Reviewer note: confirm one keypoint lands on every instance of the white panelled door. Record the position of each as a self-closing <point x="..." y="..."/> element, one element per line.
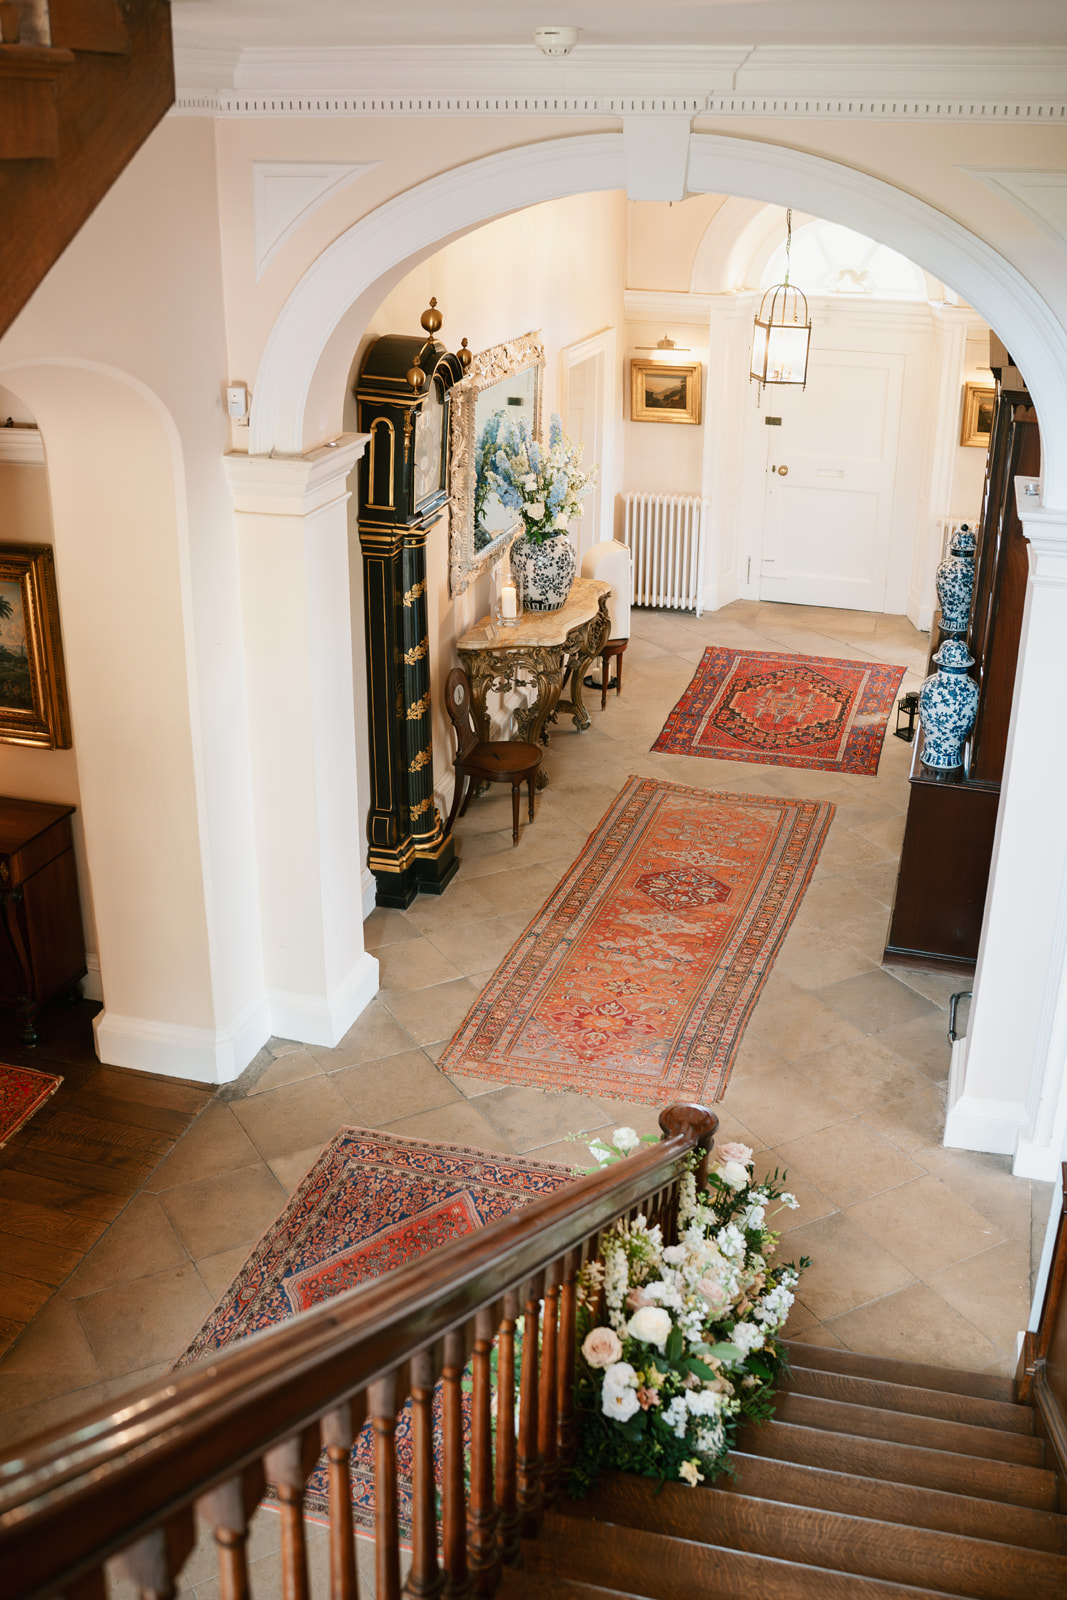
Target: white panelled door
<point x="830" y="469"/>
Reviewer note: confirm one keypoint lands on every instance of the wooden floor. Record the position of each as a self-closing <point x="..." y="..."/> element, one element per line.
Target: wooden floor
<point x="79" y="1159"/>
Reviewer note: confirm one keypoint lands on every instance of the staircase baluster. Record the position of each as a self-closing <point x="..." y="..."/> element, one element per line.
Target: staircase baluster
<point x="288" y="1467"/>
<point x="547" y="1393"/>
<point x="339" y="1429"/>
<point x="226" y="1509"/>
<point x="153" y="1563"/>
<point x="453" y="1499"/>
<point x="424" y="1579"/>
<point x="382" y="1406"/>
<point x="482" y="1512"/>
<point x="528" y="1459"/>
<point x="506" y="1473"/>
<point x="568" y="1310"/>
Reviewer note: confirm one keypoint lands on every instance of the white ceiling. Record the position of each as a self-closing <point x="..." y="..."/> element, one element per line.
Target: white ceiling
<point x="607" y="23"/>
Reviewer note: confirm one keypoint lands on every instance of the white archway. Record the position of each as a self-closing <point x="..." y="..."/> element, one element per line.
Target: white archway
<point x="455" y="201"/>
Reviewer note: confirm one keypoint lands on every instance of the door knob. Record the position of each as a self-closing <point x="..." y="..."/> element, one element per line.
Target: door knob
<point x="783" y="472"/>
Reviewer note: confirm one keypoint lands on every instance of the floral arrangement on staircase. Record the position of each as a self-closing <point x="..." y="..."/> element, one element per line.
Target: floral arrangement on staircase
<point x="677" y="1345"/>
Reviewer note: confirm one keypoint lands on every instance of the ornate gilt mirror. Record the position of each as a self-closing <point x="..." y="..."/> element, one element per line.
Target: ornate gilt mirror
<point x="504" y="382"/>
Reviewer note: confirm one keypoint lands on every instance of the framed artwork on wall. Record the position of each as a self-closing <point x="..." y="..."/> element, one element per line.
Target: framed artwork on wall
<point x="33" y="685"/>
<point x="977" y="422"/>
<point x="664" y="393"/>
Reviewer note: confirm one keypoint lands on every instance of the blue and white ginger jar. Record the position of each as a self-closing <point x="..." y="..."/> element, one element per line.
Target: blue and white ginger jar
<point x="948" y="702"/>
<point x="955" y="582"/>
<point x="546" y="570"/>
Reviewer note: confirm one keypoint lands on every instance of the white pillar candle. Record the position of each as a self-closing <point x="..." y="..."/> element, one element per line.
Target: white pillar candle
<point x="509" y="602"/>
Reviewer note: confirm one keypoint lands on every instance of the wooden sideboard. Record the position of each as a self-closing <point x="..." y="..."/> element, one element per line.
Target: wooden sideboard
<point x="948" y="839"/>
<point x="42" y="946"/>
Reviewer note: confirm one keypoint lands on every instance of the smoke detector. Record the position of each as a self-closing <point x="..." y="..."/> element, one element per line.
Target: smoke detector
<point x="555" y="41"/>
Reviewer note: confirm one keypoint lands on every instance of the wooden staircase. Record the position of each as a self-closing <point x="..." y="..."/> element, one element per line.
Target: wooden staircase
<point x="876" y="1479"/>
<point x="73" y="112"/>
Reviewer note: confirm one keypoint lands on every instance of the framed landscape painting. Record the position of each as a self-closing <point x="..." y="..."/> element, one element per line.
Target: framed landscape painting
<point x="662" y="393"/>
<point x="33" y="689"/>
<point x="977" y="422"/>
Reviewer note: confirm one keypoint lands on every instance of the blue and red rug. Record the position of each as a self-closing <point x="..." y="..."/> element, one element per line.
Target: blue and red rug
<point x="22" y="1092"/>
<point x="371" y="1202"/>
<point x="784" y="711"/>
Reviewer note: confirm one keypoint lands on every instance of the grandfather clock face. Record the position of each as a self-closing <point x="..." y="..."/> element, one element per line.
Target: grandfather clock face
<point x="429" y="446"/>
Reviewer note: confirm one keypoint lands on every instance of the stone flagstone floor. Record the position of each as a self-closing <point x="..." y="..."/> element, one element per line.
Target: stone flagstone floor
<point x="918" y="1251"/>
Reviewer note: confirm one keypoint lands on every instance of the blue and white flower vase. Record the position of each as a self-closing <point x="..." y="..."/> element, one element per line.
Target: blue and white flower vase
<point x="948" y="703"/>
<point x="955" y="582"/>
<point x="546" y="571"/>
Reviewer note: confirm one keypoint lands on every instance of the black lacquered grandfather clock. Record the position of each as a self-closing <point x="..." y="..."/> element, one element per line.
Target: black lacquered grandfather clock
<point x="403" y="392"/>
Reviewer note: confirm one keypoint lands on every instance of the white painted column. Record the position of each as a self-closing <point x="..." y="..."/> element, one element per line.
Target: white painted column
<point x="293" y="551"/>
<point x="1007" y="1086"/>
<point x="726" y="419"/>
<point x="950" y="334"/>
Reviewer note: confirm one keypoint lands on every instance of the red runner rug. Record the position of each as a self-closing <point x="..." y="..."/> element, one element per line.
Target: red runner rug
<point x="637" y="977"/>
<point x="371" y="1202"/>
<point x="22" y="1092"/>
<point x="784" y="711"/>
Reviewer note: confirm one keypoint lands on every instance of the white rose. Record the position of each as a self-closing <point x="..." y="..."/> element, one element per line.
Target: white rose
<point x="536" y="508"/>
<point x="620" y="1375"/>
<point x="619" y="1403"/>
<point x="734" y="1174"/>
<point x="624" y="1139"/>
<point x="747" y="1336"/>
<point x="651" y="1325"/>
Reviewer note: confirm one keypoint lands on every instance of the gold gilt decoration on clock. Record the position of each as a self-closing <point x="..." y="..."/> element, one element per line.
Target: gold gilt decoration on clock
<point x="415" y="593"/>
<point x="420" y="708"/>
<point x="416" y="652"/>
<point x="421" y="760"/>
<point x="420" y="810"/>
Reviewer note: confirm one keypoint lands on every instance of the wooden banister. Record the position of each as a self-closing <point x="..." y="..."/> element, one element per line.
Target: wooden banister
<point x="124" y="1480"/>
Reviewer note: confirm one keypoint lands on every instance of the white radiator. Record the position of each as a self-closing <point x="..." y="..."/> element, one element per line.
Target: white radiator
<point x="947" y="526"/>
<point x="667" y="535"/>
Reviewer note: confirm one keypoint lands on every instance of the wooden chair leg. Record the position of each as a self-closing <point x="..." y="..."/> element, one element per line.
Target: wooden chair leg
<point x="531" y="780"/>
<point x="515" y="812"/>
<point x="618" y="672"/>
<point x="471" y="790"/>
<point x="603" y="680"/>
<point x="457" y="796"/>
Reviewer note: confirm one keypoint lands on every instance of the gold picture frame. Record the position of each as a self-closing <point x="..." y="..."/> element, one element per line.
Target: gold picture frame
<point x="663" y="392"/>
<point x="976" y="424"/>
<point x="33" y="684"/>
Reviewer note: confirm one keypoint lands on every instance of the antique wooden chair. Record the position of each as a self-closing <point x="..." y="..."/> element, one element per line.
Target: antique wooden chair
<point x="486" y="760"/>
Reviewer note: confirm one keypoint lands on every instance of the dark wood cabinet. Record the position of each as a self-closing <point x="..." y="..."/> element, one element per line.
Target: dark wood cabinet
<point x="948" y="840"/>
<point x="42" y="947"/>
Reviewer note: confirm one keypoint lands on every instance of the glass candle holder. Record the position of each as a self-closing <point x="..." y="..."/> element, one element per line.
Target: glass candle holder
<point x="507" y="595"/>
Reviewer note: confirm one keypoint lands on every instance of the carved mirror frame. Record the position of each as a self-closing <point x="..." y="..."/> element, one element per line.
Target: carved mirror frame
<point x="489" y="367"/>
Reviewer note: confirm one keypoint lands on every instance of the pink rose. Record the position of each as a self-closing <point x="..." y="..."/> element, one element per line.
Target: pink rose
<point x="602" y="1347"/>
<point x="646" y="1398"/>
<point x="734" y="1152"/>
<point x="713" y="1293"/>
<point x="638" y="1298"/>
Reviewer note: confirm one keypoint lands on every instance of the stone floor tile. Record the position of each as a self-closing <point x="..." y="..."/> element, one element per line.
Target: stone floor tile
<point x="862" y="1074"/>
<point x="289" y="1170"/>
<point x="51" y="1357"/>
<point x="781" y="1105"/>
<point x="812" y="1203"/>
<point x="375" y="1034"/>
<point x="219" y="1271"/>
<point x="139" y="1241"/>
<point x="925" y="1225"/>
<point x="528" y="1118"/>
<point x="848" y="1162"/>
<point x="923" y="1043"/>
<point x="215" y="1142"/>
<point x="458" y="1123"/>
<point x="991" y="1290"/>
<point x="802" y="1024"/>
<point x="813" y="958"/>
<point x="293" y="1116"/>
<point x="847" y="1267"/>
<point x="152" y="1319"/>
<point x="227" y="1210"/>
<point x="988" y="1185"/>
<point x="476" y="946"/>
<point x="818" y="1335"/>
<point x="524" y="889"/>
<point x="915" y="1123"/>
<point x="415" y="964"/>
<point x="385" y="926"/>
<point x="397" y="1087"/>
<point x="291" y="1066"/>
<point x="916" y="1324"/>
<point x="874" y="1001"/>
<point x="427" y="1015"/>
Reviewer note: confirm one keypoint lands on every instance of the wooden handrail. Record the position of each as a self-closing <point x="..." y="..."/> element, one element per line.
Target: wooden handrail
<point x="126" y="1478"/>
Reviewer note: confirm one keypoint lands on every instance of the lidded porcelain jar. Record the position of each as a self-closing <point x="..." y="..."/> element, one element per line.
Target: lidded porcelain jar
<point x="948" y="703"/>
<point x="955" y="582"/>
<point x="546" y="571"/>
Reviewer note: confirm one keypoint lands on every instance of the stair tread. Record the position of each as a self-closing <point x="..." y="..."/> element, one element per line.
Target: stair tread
<point x="1006" y="1415"/>
<point x="911" y="1504"/>
<point x="904" y="1463"/>
<point x="936" y="1433"/>
<point x="917" y="1374"/>
<point x="518" y="1582"/>
<point x="663" y="1568"/>
<point x="861" y="1545"/>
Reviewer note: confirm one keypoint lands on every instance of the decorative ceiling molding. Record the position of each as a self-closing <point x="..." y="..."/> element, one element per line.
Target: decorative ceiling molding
<point x="1041" y="193"/>
<point x="976" y="84"/>
<point x="285" y="193"/>
<point x="678" y="306"/>
<point x="21" y="446"/>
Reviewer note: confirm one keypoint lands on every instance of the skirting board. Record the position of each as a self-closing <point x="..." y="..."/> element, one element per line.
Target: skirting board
<point x="172" y="1051"/>
<point x="325" y="1021"/>
<point x="975" y="1123"/>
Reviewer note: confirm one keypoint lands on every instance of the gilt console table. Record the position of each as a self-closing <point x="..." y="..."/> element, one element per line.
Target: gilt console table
<point x="546" y="651"/>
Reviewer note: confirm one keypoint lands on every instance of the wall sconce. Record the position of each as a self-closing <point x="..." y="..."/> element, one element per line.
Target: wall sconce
<point x="907" y="708"/>
<point x="666" y="346"/>
<point x="430" y="322"/>
<point x="782" y="330"/>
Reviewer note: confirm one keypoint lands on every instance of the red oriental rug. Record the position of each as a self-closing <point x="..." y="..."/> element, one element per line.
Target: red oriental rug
<point x="784" y="711"/>
<point x="371" y="1202"/>
<point x="636" y="978"/>
<point x="22" y="1092"/>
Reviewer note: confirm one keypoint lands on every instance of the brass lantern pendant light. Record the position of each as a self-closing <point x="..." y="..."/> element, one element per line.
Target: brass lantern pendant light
<point x="783" y="330"/>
